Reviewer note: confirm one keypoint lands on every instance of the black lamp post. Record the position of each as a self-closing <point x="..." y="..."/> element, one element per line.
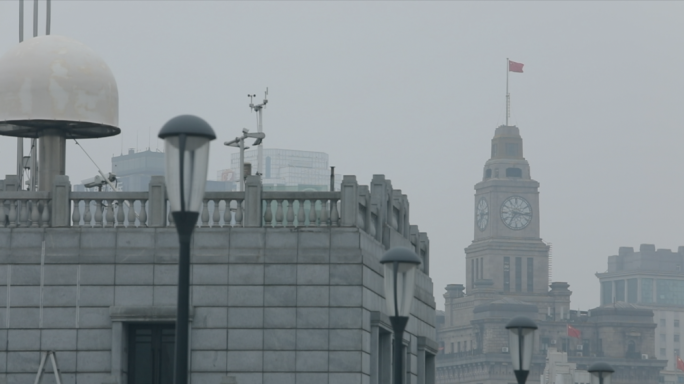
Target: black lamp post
<point x="400" y="276"/>
<point x="600" y="373"/>
<point x="520" y="344"/>
<point x="186" y="140"/>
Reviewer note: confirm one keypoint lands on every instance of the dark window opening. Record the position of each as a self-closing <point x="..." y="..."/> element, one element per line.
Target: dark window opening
<point x="472" y="273"/>
<point x="620" y="290"/>
<point x="632" y="289"/>
<point x="507" y="274"/>
<point x="606" y="292"/>
<point x="488" y="174"/>
<point x="530" y="274"/>
<point x="631" y="346"/>
<point x="477" y="269"/>
<point x="513" y="172"/>
<point x="151" y="353"/>
<point x="518" y="274"/>
<point x="481" y="267"/>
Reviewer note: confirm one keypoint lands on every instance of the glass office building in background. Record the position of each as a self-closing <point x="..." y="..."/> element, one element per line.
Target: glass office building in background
<point x="286" y="169"/>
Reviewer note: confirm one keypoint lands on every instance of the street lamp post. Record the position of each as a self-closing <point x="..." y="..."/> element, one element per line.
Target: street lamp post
<point x="521" y="343"/>
<point x="186" y="140"/>
<point x="600" y="373"/>
<point x="400" y="271"/>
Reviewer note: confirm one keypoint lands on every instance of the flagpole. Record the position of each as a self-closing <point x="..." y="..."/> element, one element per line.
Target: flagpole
<point x="508" y="96"/>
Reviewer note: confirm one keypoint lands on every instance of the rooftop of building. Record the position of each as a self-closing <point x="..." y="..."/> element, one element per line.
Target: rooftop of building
<point x="647" y="259"/>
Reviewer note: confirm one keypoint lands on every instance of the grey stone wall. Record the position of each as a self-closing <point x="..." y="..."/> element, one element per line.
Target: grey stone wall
<point x="269" y="305"/>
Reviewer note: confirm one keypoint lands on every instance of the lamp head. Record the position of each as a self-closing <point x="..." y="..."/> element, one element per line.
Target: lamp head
<point x="521" y="344"/>
<point x="186" y="139"/>
<point x="400" y="271"/>
<point x="600" y="373"/>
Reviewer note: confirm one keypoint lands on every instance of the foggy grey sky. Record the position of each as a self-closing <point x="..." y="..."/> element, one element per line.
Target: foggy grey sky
<point x="414" y="90"/>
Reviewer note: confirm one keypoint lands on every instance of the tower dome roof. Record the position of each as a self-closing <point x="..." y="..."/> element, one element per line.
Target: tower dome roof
<point x="54" y="82"/>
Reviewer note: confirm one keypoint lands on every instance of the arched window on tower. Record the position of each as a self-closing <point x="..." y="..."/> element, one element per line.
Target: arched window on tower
<point x="488" y="173"/>
<point x="513" y="172"/>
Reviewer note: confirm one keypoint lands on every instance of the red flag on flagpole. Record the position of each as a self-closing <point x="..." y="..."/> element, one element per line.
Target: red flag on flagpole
<point x="680" y="364"/>
<point x="574" y="332"/>
<point x="515" y="67"/>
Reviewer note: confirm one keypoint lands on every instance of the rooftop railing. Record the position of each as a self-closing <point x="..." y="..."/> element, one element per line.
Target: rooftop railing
<point x="379" y="210"/>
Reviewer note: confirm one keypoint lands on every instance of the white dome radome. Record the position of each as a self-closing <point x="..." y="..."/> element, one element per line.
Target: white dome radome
<point x="54" y="82"/>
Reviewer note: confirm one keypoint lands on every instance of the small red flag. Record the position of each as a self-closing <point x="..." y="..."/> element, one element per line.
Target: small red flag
<point x="515" y="67"/>
<point x="574" y="332"/>
<point x="680" y="364"/>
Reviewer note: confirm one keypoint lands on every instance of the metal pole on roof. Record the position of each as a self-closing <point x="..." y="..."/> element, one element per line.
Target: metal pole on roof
<point x="47" y="17"/>
<point x="20" y="140"/>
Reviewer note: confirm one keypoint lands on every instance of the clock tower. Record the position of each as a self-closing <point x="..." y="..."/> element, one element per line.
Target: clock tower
<point x="507" y="254"/>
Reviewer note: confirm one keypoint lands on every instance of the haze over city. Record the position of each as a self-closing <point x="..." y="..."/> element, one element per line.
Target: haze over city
<point x="414" y="90"/>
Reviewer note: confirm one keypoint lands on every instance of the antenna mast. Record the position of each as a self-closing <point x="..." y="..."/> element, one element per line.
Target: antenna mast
<point x="20" y="140"/>
<point x="260" y="128"/>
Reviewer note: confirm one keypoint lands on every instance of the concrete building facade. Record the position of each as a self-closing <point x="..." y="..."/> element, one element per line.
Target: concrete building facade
<point x="651" y="278"/>
<point x="277" y="296"/>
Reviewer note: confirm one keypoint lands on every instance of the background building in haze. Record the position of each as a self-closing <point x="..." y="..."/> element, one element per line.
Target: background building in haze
<point x="134" y="170"/>
<point x="651" y="279"/>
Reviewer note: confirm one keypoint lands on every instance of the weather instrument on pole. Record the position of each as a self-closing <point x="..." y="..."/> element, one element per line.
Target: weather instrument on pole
<point x="260" y="128"/>
<point x="239" y="142"/>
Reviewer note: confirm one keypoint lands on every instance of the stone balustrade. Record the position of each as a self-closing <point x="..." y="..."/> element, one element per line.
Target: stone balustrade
<point x="378" y="209"/>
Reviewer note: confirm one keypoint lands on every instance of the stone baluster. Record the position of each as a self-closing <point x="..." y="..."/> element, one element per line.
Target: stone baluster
<point x="323" y="217"/>
<point x="216" y="215"/>
<point x="98" y="213"/>
<point x="290" y="213"/>
<point x="227" y="214"/>
<point x="110" y="214"/>
<point x="23" y="213"/>
<point x="76" y="215"/>
<point x="120" y="216"/>
<point x="279" y="214"/>
<point x="301" y="219"/>
<point x="87" y="216"/>
<point x="312" y="213"/>
<point x="142" y="216"/>
<point x="268" y="215"/>
<point x="205" y="214"/>
<point x="239" y="215"/>
<point x="334" y="214"/>
<point x="35" y="213"/>
<point x="13" y="214"/>
<point x="45" y="216"/>
<point x="131" y="213"/>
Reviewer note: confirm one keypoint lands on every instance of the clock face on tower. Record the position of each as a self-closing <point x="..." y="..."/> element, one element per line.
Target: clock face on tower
<point x="516" y="213"/>
<point x="482" y="214"/>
